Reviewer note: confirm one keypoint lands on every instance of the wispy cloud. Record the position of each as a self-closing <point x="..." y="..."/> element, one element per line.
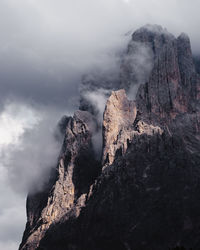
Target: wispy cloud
<point x="45" y="48"/>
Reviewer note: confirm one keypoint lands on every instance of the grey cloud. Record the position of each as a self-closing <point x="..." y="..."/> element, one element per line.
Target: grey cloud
<point x="97" y="98"/>
<point x="12" y="213"/>
<point x="45" y="48"/>
<point x="29" y="162"/>
<point x="136" y="65"/>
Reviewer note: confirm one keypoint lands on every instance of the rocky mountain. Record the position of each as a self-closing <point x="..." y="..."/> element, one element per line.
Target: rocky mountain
<point x="143" y="192"/>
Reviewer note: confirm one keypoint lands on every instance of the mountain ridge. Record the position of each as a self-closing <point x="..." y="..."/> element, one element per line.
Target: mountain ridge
<point x="143" y="194"/>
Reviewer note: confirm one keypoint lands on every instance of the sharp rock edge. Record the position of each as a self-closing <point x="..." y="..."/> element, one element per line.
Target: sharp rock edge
<point x="144" y="191"/>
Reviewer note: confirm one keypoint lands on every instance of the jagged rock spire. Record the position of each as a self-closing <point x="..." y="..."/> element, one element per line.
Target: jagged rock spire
<point x="145" y="193"/>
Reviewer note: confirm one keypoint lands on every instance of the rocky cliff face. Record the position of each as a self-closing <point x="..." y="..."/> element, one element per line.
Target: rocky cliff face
<point x="69" y="183"/>
<point x="144" y="194"/>
<point x="120" y="126"/>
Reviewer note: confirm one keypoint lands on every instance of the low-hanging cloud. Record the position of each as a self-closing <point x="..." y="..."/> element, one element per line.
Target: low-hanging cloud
<point x="33" y="148"/>
<point x="45" y="48"/>
<point x="28" y="150"/>
<point x="97" y="98"/>
<point x="136" y="67"/>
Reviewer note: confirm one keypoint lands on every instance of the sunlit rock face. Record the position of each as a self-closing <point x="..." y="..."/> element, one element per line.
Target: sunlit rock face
<point x="144" y="191"/>
<point x="70" y="182"/>
<point x="120" y="126"/>
<point x="119" y="116"/>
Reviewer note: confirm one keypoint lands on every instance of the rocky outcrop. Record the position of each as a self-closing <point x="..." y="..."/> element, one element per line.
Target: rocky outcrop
<point x="145" y="192"/>
<point x="66" y="191"/>
<point x="119" y="116"/>
<point x="142" y="52"/>
<point x="120" y="126"/>
<point x="173" y="86"/>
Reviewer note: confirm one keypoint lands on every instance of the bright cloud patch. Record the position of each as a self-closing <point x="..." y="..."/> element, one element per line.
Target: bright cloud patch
<point x="14" y="120"/>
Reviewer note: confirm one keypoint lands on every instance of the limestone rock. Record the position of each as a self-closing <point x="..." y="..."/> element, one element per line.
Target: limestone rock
<point x="173" y="86"/>
<point x="143" y="50"/>
<point x="66" y="191"/>
<point x="119" y="115"/>
<point x="120" y="126"/>
<point x="145" y="193"/>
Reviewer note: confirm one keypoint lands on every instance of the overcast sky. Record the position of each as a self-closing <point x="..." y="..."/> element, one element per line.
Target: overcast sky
<point x="45" y="48"/>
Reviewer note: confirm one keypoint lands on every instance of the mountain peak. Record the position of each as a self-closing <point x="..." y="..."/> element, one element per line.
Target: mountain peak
<point x="153" y="29"/>
<point x="184" y="36"/>
<point x="150" y="164"/>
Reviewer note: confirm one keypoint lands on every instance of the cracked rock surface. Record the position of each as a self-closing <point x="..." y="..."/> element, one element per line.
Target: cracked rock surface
<point x="144" y="192"/>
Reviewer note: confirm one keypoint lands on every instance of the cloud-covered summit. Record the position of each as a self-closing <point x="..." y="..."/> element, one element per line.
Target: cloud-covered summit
<point x="45" y="48"/>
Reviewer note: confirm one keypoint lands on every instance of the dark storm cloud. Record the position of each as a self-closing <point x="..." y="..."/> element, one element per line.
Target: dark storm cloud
<point x="45" y="46"/>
